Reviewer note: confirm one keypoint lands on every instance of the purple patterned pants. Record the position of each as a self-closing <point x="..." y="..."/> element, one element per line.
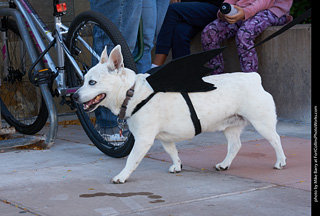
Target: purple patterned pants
<point x="245" y="31"/>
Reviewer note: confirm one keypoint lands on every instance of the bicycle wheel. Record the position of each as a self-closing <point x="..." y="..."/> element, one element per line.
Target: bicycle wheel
<point x="21" y="102"/>
<point x="88" y="32"/>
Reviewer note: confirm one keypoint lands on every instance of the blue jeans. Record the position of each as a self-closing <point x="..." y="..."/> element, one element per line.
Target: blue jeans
<point x="153" y="13"/>
<point x="126" y="14"/>
<point x="182" y="22"/>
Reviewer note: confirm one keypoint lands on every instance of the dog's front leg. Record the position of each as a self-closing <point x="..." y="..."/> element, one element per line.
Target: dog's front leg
<point x="138" y="152"/>
<point x="171" y="149"/>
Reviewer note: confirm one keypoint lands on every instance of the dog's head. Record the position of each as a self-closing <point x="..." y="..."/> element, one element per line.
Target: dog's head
<point x="103" y="82"/>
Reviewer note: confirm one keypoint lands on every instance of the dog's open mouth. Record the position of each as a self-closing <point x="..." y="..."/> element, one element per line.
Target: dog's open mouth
<point x="92" y="104"/>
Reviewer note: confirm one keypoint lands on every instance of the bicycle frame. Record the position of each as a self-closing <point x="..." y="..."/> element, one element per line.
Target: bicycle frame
<point x="36" y="25"/>
<point x="31" y="28"/>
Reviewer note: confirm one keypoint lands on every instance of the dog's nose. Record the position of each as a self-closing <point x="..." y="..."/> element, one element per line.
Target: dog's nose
<point x="75" y="97"/>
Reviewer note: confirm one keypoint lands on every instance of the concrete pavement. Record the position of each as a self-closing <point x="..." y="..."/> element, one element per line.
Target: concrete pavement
<point x="73" y="178"/>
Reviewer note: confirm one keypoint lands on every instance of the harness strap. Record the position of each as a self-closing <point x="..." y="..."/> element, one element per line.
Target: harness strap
<point x="142" y="103"/>
<point x="194" y="117"/>
<point x="185" y="95"/>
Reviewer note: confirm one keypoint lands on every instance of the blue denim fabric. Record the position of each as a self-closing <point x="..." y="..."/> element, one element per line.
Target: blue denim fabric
<point x="153" y="13"/>
<point x="126" y="14"/>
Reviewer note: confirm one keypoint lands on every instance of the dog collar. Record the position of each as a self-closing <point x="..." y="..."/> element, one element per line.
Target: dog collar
<point x="123" y="109"/>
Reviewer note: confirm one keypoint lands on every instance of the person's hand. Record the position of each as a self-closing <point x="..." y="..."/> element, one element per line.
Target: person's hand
<point x="174" y="1"/>
<point x="235" y="18"/>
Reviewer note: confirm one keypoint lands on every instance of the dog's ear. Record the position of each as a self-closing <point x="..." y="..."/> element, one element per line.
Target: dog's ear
<point x="116" y="59"/>
<point x="104" y="56"/>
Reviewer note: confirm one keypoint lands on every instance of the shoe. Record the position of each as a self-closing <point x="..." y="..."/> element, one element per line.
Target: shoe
<point x="115" y="138"/>
<point x="111" y="134"/>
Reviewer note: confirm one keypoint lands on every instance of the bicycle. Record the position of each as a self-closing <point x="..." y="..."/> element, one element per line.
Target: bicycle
<point x="30" y="78"/>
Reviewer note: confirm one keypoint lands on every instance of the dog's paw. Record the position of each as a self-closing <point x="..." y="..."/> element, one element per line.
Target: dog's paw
<point x="280" y="164"/>
<point x="175" y="168"/>
<point x="220" y="167"/>
<point x="118" y="180"/>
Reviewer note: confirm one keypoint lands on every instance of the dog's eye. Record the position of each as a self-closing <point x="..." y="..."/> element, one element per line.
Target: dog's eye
<point x="92" y="82"/>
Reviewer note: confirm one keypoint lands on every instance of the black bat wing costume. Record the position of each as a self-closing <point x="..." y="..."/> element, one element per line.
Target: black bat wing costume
<point x="183" y="74"/>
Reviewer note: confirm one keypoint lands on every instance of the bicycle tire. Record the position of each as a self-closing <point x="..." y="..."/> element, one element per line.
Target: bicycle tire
<point x="29" y="122"/>
<point x="79" y="24"/>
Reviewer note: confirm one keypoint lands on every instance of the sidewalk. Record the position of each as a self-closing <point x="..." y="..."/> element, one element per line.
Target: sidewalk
<point x="73" y="178"/>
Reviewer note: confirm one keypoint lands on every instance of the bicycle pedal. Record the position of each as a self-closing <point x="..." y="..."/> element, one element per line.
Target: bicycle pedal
<point x="43" y="76"/>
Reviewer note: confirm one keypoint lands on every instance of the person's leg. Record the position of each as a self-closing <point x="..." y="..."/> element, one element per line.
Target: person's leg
<point x="199" y="15"/>
<point x="183" y="33"/>
<point x="164" y="39"/>
<point x="105" y="120"/>
<point x="247" y="33"/>
<point x="125" y="14"/>
<point x="195" y="14"/>
<point x="211" y="38"/>
<point x="149" y="27"/>
<point x="162" y="7"/>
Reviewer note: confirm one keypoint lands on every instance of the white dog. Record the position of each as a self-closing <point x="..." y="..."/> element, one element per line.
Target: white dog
<point x="239" y="98"/>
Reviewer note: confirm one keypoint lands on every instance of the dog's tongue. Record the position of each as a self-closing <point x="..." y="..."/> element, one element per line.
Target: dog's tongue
<point x="90" y="102"/>
<point x="94" y="100"/>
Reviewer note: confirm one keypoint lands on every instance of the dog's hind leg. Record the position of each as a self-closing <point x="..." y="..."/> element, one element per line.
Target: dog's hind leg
<point x="263" y="118"/>
<point x="268" y="131"/>
<point x="232" y="134"/>
<point x="171" y="149"/>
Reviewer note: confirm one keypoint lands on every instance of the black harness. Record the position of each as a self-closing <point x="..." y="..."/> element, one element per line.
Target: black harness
<point x="193" y="114"/>
<point x="185" y="95"/>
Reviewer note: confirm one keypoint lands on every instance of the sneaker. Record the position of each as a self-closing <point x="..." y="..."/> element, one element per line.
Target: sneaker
<point x="111" y="134"/>
<point x="115" y="138"/>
